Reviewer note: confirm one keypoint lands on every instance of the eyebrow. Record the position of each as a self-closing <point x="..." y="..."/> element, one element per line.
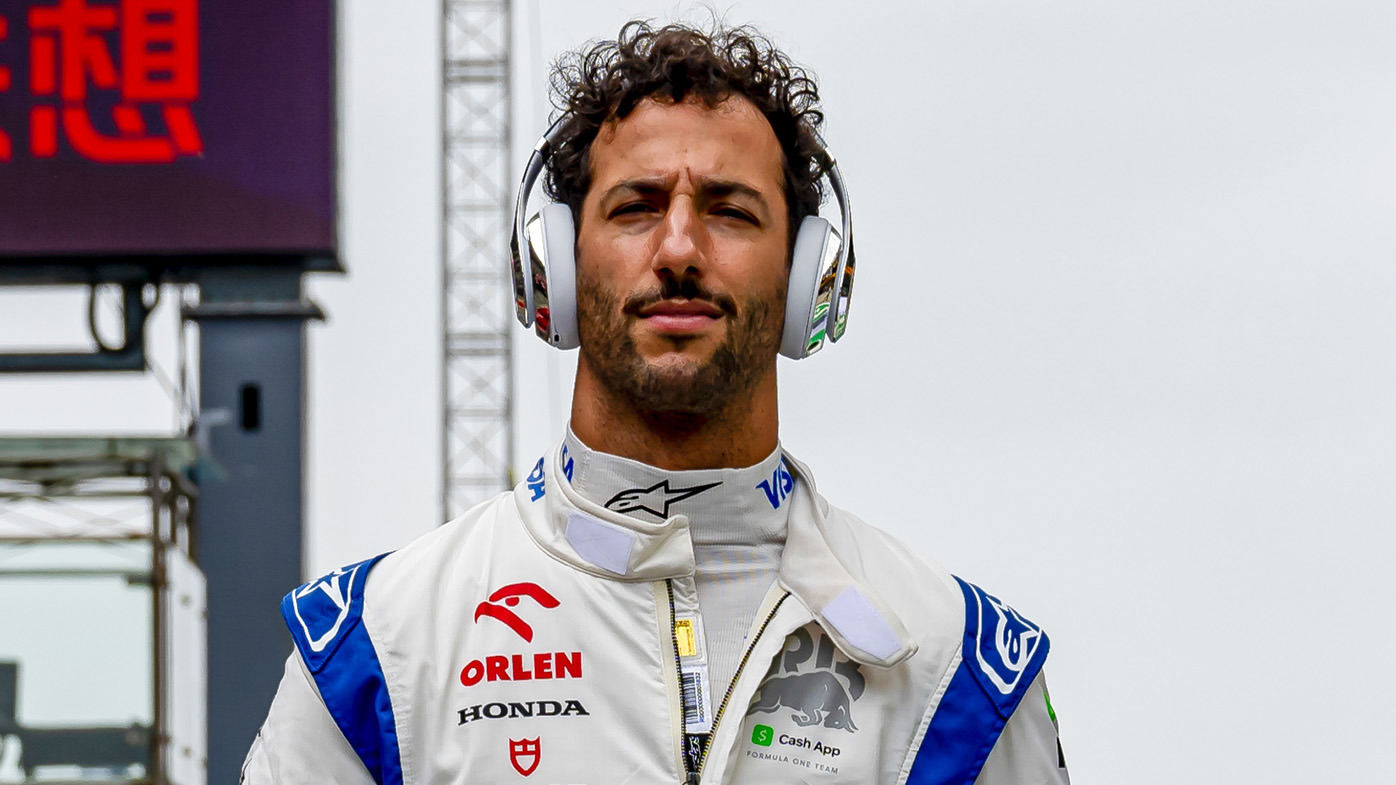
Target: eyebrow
<point x="707" y="188"/>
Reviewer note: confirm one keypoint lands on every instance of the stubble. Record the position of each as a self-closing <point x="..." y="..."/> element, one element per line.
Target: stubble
<point x="692" y="390"/>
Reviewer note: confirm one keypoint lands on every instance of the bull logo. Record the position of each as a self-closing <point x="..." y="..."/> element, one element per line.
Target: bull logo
<point x="509" y="596"/>
<point x="524" y="754"/>
<point x="820" y="695"/>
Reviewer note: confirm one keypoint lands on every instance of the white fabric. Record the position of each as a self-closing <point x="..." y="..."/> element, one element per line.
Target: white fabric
<point x="421" y="611"/>
<point x="738" y="534"/>
<point x="1027" y="752"/>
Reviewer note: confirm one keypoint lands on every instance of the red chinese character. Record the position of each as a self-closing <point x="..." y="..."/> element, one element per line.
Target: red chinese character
<point x="5" y="149"/>
<point x="159" y="64"/>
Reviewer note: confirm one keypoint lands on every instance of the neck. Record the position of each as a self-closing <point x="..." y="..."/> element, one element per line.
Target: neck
<point x="739" y="434"/>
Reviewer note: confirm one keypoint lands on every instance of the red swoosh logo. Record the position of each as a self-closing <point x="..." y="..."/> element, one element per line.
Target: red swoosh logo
<point x="507" y="616"/>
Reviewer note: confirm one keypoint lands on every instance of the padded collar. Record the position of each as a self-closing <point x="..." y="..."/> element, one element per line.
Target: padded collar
<point x="611" y="545"/>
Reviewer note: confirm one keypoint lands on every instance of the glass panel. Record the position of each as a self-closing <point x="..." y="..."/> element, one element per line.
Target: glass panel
<point x="76" y="661"/>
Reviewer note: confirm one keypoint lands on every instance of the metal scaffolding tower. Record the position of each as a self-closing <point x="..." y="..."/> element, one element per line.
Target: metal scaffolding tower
<point x="477" y="377"/>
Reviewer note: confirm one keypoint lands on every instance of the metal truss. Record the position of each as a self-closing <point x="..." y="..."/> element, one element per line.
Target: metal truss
<point x="477" y="377"/>
<point x="69" y="510"/>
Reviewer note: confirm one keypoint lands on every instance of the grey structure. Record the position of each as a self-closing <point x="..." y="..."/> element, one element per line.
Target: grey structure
<point x="478" y="363"/>
<point x="252" y="393"/>
<point x="72" y="518"/>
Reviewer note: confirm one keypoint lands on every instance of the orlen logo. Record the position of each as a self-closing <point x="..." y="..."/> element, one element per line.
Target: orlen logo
<point x="779" y="486"/>
<point x="510" y="595"/>
<point x="545" y="665"/>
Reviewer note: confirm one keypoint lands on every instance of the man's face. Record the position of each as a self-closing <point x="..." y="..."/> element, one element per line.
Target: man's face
<point x="681" y="255"/>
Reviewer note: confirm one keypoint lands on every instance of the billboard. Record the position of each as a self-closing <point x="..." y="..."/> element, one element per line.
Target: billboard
<point x="198" y="129"/>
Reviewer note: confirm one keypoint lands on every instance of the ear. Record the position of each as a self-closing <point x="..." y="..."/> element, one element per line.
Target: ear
<point x="804" y="333"/>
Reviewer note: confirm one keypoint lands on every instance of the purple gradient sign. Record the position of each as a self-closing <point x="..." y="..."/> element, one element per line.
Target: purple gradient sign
<point x="186" y="128"/>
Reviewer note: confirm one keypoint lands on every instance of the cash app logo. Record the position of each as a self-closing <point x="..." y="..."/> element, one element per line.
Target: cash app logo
<point x="762" y="735"/>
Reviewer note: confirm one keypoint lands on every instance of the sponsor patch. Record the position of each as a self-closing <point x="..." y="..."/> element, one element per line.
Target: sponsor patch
<point x="341" y="588"/>
<point x="321" y="613"/>
<point x="655" y="500"/>
<point x="818" y="693"/>
<point x="525" y="754"/>
<point x="1007" y="642"/>
<point x="499" y="604"/>
<point x="502" y="710"/>
<point x="541" y="666"/>
<point x="777" y="489"/>
<point x="536" y="484"/>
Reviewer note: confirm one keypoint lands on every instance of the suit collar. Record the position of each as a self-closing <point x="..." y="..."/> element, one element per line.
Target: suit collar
<point x="833" y="587"/>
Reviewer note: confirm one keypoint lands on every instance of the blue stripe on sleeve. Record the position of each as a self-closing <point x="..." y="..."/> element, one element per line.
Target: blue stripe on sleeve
<point x="325" y="620"/>
<point x="1001" y="655"/>
<point x="962" y="733"/>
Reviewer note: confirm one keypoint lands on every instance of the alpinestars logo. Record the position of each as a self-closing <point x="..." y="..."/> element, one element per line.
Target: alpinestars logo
<point x="821" y="694"/>
<point x="655" y="499"/>
<point x="509" y="596"/>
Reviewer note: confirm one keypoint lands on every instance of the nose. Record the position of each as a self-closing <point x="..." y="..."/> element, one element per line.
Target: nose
<point x="682" y="241"/>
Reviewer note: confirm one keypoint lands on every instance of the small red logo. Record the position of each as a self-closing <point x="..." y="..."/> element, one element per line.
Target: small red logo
<point x="523" y="751"/>
<point x="510" y="595"/>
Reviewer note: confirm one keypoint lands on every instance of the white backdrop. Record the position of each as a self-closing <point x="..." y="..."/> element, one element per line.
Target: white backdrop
<point x="1121" y="351"/>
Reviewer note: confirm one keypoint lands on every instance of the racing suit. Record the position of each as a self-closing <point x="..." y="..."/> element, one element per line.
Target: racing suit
<point x="544" y="638"/>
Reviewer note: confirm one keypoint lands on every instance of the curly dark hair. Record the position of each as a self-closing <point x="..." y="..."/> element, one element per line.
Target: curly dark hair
<point x="607" y="79"/>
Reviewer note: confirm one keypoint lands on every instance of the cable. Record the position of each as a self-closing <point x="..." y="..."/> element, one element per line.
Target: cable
<point x="176" y="396"/>
<point x="92" y="320"/>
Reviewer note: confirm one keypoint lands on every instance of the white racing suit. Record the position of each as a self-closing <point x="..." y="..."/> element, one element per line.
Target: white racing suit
<point x="541" y="638"/>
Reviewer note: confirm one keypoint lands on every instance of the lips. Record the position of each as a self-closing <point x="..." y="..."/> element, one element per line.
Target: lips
<point x="680" y="316"/>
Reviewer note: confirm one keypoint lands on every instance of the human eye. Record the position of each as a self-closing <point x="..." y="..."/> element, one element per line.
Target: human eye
<point x="631" y="208"/>
<point x="737" y="213"/>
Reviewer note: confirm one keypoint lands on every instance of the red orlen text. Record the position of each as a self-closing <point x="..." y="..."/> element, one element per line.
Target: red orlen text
<point x="545" y="665"/>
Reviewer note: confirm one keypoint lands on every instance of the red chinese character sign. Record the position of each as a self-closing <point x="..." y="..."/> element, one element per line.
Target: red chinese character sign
<point x="163" y="127"/>
<point x="159" y="68"/>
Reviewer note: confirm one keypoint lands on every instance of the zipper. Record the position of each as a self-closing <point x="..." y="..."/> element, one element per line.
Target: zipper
<point x="732" y="686"/>
<point x="690" y="775"/>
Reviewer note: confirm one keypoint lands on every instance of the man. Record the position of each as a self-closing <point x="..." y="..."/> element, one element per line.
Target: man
<point x="665" y="598"/>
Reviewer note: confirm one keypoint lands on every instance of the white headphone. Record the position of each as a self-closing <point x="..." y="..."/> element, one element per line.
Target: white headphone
<point x="819" y="266"/>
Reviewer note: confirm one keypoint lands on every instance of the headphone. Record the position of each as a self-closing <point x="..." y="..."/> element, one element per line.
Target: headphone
<point x="820" y="265"/>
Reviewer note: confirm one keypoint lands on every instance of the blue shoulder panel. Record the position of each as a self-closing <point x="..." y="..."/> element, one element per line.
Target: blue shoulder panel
<point x="324" y="616"/>
<point x="1004" y="649"/>
<point x="1001" y="655"/>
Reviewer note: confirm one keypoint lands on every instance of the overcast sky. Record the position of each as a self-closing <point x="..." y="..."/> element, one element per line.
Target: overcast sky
<point x="1121" y="349"/>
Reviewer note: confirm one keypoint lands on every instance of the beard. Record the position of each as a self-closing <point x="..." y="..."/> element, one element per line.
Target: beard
<point x="691" y="388"/>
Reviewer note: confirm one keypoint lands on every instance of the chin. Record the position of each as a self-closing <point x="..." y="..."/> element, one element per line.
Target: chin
<point x="678" y="366"/>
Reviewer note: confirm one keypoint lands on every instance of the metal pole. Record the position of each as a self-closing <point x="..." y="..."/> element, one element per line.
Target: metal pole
<point x="252" y="389"/>
<point x="159" y="734"/>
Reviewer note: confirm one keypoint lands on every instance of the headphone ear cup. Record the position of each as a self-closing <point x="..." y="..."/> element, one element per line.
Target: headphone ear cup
<point x="560" y="242"/>
<point x="801" y="299"/>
